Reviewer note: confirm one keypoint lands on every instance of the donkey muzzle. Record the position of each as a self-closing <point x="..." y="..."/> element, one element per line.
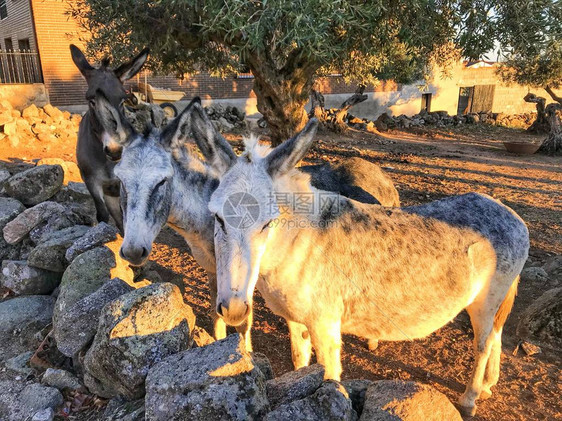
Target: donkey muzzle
<point x="135" y="255"/>
<point x="113" y="153"/>
<point x="233" y="311"/>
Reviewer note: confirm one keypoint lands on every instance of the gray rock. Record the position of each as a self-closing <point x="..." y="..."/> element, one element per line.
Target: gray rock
<point x="77" y="196"/>
<point x="50" y="255"/>
<point x="263" y="363"/>
<point x="216" y="382"/>
<point x="95" y="237"/>
<point x="47" y="414"/>
<point x="9" y="209"/>
<point x="23" y="279"/>
<point x="9" y="392"/>
<point x="294" y="385"/>
<point x="75" y="327"/>
<point x="553" y="267"/>
<point x="66" y="219"/>
<point x="20" y="363"/>
<point x="224" y="124"/>
<point x="408" y="401"/>
<point x="119" y="409"/>
<point x="36" y="397"/>
<point x="356" y="390"/>
<point x="542" y="320"/>
<point x="328" y="403"/>
<point x="61" y="379"/>
<point x="136" y="331"/>
<point x="19" y="227"/>
<point x="4" y="175"/>
<point x="86" y="274"/>
<point x="36" y="184"/>
<point x="20" y="319"/>
<point x="534" y="274"/>
<point x="13" y="251"/>
<point x="19" y="402"/>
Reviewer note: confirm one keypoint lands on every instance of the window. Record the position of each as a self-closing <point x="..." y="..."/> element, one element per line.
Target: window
<point x="3" y="9"/>
<point x="426" y="102"/>
<point x="23" y="44"/>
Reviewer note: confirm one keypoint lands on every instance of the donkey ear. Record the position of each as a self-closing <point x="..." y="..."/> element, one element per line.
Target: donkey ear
<point x="215" y="148"/>
<point x="287" y="155"/>
<point x="80" y="61"/>
<point x="112" y="121"/>
<point x="176" y="132"/>
<point x="128" y="70"/>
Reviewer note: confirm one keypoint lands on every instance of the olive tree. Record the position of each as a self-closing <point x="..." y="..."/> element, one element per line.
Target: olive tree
<point x="285" y="44"/>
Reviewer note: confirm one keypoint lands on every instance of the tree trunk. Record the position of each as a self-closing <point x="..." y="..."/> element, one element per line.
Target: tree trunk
<point x="552" y="145"/>
<point x="282" y="96"/>
<point x="334" y="122"/>
<point x="355" y="99"/>
<point x="317" y="105"/>
<point x="541" y="124"/>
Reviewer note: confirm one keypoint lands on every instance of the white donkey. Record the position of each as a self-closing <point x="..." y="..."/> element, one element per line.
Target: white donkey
<point x="375" y="272"/>
<point x="158" y="187"/>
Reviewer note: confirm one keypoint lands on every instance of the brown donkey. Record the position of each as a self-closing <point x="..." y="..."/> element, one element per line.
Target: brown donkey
<point x="97" y="151"/>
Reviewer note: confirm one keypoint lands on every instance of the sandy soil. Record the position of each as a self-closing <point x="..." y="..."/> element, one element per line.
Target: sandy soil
<point x="426" y="164"/>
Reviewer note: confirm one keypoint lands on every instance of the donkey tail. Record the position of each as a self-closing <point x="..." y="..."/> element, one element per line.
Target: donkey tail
<point x="506" y="305"/>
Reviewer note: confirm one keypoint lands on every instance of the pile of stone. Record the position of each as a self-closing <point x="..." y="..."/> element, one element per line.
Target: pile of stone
<point x="46" y="124"/>
<point x="439" y="119"/>
<point x="226" y="118"/>
<point x="517" y="121"/>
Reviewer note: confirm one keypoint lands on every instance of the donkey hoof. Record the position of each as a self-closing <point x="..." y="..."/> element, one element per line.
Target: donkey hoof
<point x="467" y="411"/>
<point x="373" y="344"/>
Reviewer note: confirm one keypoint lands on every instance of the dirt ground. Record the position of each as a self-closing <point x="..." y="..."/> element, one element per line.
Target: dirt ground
<point x="426" y="164"/>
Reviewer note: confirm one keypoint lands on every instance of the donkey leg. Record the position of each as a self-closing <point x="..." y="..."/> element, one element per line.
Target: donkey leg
<point x="326" y="340"/>
<point x="245" y="330"/>
<point x="95" y="189"/>
<point x="482" y="324"/>
<point x="301" y="346"/>
<point x="492" y="373"/>
<point x="114" y="209"/>
<point x="219" y="326"/>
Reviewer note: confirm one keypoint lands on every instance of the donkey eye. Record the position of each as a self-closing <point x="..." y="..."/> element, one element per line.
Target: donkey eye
<point x="266" y="226"/>
<point x="160" y="184"/>
<point x="221" y="222"/>
<point x="92" y="103"/>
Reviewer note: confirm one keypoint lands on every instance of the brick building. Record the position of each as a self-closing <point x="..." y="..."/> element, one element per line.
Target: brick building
<point x="45" y="28"/>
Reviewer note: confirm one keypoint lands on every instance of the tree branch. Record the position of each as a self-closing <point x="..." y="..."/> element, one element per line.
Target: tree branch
<point x="553" y="95"/>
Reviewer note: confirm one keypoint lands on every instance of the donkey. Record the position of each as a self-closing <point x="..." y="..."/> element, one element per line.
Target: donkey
<point x="374" y="272"/>
<point x="161" y="182"/>
<point x="96" y="151"/>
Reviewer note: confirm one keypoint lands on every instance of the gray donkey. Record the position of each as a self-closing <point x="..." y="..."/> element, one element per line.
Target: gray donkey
<point x="349" y="267"/>
<point x="163" y="182"/>
<point x="97" y="151"/>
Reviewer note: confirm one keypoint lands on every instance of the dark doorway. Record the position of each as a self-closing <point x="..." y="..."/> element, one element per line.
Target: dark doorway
<point x="466" y="94"/>
<point x="426" y="102"/>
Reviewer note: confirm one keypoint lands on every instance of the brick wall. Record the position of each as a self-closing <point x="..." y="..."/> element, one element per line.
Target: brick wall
<point x="55" y="32"/>
<point x="18" y="25"/>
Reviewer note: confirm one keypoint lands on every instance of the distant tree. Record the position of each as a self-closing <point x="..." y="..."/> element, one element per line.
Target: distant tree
<point x="531" y="35"/>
